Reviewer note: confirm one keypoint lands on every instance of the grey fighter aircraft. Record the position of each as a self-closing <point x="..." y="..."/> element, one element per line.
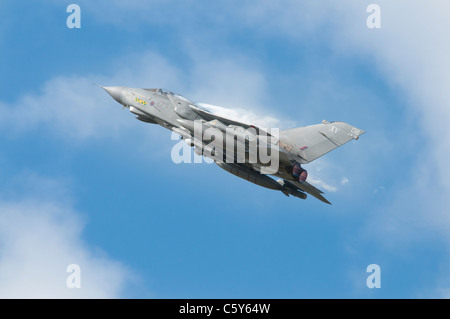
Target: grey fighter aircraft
<point x="292" y="147"/>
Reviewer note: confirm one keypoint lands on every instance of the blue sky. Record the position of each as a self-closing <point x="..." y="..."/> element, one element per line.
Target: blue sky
<point x="83" y="182"/>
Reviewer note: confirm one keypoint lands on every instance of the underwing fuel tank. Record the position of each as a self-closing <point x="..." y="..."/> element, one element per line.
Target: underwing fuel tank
<point x="250" y="175"/>
<point x="141" y="116"/>
<point x="260" y="179"/>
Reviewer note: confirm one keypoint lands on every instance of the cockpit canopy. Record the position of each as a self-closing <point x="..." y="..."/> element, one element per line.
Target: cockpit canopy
<point x="167" y="92"/>
<point x="160" y="91"/>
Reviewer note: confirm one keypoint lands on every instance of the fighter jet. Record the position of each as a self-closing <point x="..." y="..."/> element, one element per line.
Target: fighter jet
<point x="236" y="146"/>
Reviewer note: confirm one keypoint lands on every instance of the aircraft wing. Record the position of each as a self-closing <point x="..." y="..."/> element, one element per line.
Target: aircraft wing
<point x="227" y="121"/>
<point x="256" y="177"/>
<point x="311" y="142"/>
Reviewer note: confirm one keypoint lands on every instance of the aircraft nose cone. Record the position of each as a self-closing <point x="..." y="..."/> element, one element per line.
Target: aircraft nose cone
<point x="115" y="92"/>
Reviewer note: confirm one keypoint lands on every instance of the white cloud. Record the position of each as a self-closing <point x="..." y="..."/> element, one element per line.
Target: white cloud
<point x="245" y="116"/>
<point x="326" y="175"/>
<point x="68" y="107"/>
<point x="321" y="184"/>
<point x="72" y="108"/>
<point x="379" y="189"/>
<point x="75" y="109"/>
<point x="410" y="51"/>
<point x="39" y="238"/>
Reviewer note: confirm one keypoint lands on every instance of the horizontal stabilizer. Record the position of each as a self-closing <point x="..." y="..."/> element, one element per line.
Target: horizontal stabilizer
<point x="310" y="189"/>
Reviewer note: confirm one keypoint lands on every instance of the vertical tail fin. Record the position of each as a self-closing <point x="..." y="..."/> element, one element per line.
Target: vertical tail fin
<point x="311" y="142"/>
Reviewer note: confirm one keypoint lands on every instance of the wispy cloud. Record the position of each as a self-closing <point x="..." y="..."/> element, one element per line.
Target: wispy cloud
<point x="411" y="55"/>
<point x="73" y="108"/>
<point x="344" y="180"/>
<point x="322" y="184"/>
<point x="39" y="238"/>
<point x="245" y="116"/>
